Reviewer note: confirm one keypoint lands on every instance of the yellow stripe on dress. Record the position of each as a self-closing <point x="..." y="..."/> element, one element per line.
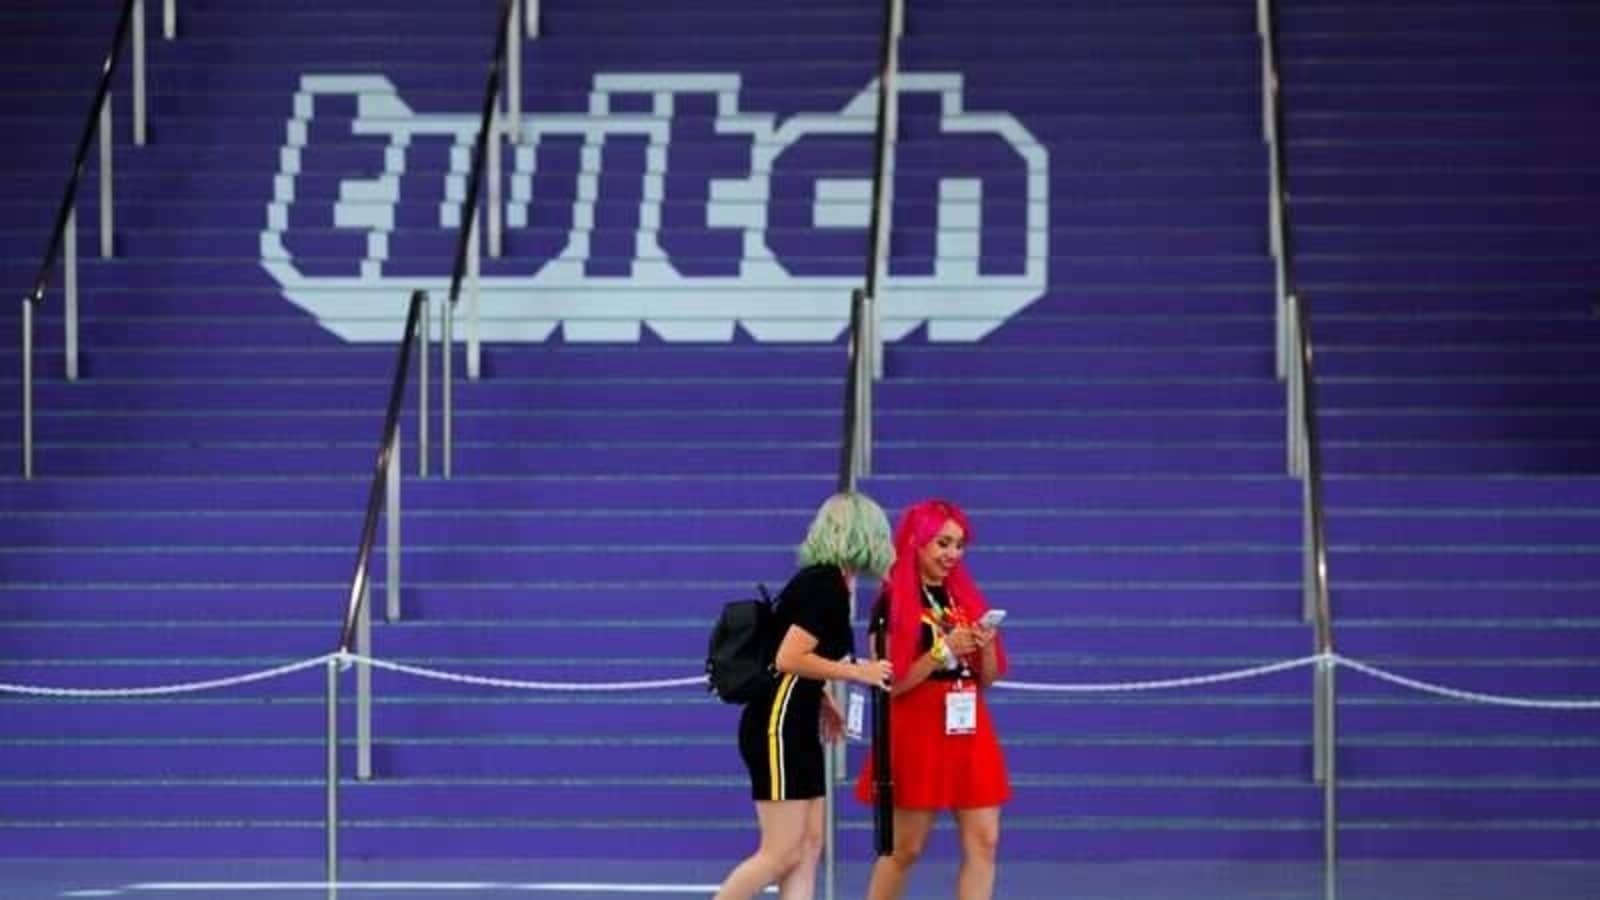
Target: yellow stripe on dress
<point x="780" y="706"/>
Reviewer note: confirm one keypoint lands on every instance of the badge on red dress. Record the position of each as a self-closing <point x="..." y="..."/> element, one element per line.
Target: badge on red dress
<point x="961" y="709"/>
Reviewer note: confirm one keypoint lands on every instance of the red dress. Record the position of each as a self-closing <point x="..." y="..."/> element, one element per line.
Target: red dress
<point x="932" y="769"/>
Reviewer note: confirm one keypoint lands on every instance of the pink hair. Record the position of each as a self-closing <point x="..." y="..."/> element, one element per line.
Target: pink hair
<point x="919" y="525"/>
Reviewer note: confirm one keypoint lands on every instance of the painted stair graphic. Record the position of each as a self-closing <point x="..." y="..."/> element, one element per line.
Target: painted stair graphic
<point x="1118" y="442"/>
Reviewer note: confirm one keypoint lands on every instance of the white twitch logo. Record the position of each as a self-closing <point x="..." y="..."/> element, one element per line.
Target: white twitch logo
<point x="957" y="300"/>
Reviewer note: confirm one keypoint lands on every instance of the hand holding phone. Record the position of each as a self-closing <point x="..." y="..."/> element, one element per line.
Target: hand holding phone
<point x="992" y="619"/>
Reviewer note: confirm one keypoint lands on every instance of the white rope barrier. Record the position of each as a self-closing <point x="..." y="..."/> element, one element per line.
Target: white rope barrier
<point x="518" y="684"/>
<point x="190" y="687"/>
<point x="1162" y="684"/>
<point x="1470" y="696"/>
<point x="348" y="659"/>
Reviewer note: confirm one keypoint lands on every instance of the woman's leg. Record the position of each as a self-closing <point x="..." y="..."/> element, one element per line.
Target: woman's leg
<point x="801" y="882"/>
<point x="783" y="833"/>
<point x="980" y="838"/>
<point x="911" y="829"/>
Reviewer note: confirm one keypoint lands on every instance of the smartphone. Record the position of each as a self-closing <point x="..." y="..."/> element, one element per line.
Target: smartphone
<point x="992" y="618"/>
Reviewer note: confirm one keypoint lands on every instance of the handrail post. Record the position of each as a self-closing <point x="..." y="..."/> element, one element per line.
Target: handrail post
<point x="1294" y="421"/>
<point x="850" y="448"/>
<point x="169" y="19"/>
<point x="139" y="118"/>
<point x="1308" y="557"/>
<point x="391" y="584"/>
<point x="332" y="787"/>
<point x="534" y="24"/>
<point x="513" y="76"/>
<point x="107" y="210"/>
<point x="495" y="206"/>
<point x="69" y="308"/>
<point x="424" y="347"/>
<point x="474" y="267"/>
<point x="447" y="315"/>
<point x="1264" y="31"/>
<point x="27" y="387"/>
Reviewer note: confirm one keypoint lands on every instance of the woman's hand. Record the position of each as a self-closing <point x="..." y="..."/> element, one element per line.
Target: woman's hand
<point x="963" y="640"/>
<point x="832" y="719"/>
<point x="876" y="673"/>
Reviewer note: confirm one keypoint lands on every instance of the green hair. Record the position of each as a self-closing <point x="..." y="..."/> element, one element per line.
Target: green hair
<point x="850" y="531"/>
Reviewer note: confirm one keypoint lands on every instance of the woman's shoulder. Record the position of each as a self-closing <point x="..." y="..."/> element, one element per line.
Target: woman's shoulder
<point x="820" y="579"/>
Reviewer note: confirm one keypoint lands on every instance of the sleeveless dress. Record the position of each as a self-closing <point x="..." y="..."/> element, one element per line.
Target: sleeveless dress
<point x="932" y="769"/>
<point x="780" y="734"/>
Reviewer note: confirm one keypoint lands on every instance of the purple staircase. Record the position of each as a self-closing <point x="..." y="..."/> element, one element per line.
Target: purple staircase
<point x="1442" y="165"/>
<point x="648" y="442"/>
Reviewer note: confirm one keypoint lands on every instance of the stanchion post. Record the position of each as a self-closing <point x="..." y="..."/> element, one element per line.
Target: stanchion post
<point x="332" y="823"/>
<point x="364" y="684"/>
<point x="830" y="793"/>
<point x="1330" y="780"/>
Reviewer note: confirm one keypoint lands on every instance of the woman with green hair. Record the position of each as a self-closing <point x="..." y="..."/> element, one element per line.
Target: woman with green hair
<point x="781" y="731"/>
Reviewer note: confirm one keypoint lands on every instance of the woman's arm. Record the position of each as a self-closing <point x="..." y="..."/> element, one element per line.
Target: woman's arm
<point x="797" y="655"/>
<point x="921" y="667"/>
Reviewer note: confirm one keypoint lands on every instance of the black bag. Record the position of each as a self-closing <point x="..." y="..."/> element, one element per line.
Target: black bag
<point x="739" y="656"/>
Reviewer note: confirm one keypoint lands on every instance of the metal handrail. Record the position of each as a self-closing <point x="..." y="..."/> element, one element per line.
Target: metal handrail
<point x="1318" y="605"/>
<point x="383" y="498"/>
<point x="64" y="234"/>
<point x="1296" y="364"/>
<point x="856" y="447"/>
<point x="387" y="452"/>
<point x="486" y="146"/>
<point x="866" y="366"/>
<point x="1279" y="234"/>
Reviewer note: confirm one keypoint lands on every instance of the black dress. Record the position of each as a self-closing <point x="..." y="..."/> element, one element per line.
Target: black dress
<point x="779" y="733"/>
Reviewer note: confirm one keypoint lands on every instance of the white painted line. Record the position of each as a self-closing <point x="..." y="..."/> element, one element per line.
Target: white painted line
<point x="458" y="887"/>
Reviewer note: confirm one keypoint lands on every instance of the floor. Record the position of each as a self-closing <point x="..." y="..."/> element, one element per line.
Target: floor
<point x="584" y="880"/>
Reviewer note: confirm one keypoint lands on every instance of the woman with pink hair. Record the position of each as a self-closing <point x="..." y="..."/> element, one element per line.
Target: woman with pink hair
<point x="944" y="752"/>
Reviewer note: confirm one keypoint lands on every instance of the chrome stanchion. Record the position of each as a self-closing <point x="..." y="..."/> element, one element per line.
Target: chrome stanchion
<point x="364" y="684"/>
<point x="332" y="822"/>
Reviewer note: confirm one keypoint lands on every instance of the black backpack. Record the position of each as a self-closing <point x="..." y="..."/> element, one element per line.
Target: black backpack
<point x="741" y="650"/>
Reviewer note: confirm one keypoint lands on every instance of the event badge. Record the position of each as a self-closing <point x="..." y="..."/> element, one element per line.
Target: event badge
<point x="855" y="715"/>
<point x="961" y="710"/>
